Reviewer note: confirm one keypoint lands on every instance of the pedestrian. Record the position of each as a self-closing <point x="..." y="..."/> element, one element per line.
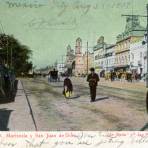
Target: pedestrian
<point x="93" y="79"/>
<point x="68" y="87"/>
<point x="112" y="76"/>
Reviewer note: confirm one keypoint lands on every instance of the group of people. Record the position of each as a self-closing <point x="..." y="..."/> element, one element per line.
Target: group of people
<point x="122" y="76"/>
<point x="92" y="79"/>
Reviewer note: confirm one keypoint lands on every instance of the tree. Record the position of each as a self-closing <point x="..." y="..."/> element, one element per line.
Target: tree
<point x="14" y="54"/>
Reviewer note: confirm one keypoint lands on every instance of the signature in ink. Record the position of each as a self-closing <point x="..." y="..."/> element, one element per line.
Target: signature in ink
<point x="143" y="139"/>
<point x="35" y="144"/>
<point x="86" y="142"/>
<point x="57" y="143"/>
<point x="7" y="144"/>
<point x="42" y="23"/>
<point x="85" y="8"/>
<point x="23" y="4"/>
<point x="83" y="135"/>
<point x="119" y="143"/>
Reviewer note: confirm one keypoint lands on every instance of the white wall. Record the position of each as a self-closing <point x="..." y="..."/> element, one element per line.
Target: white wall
<point x="60" y="67"/>
<point x="138" y="55"/>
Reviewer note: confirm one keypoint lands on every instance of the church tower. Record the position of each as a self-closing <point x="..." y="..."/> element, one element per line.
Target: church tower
<point x="78" y="46"/>
<point x="79" y="64"/>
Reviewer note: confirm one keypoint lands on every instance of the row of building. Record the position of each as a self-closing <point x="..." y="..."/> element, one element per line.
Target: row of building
<point x="127" y="54"/>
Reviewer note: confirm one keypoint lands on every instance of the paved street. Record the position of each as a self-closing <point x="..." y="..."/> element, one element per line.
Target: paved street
<point x="52" y="111"/>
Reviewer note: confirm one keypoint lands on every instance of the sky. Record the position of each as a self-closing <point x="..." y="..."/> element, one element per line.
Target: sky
<point x="47" y="27"/>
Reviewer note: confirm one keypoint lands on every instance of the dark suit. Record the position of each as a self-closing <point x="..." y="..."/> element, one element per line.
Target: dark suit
<point x="93" y="82"/>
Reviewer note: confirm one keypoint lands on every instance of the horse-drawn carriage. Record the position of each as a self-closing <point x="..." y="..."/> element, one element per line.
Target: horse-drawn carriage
<point x="53" y="76"/>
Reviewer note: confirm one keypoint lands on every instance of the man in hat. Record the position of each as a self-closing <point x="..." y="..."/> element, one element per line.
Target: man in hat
<point x="93" y="79"/>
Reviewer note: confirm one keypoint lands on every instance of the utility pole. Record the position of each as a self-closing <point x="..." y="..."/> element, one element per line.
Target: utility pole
<point x="11" y="58"/>
<point x="7" y="51"/>
<point x="6" y="42"/>
<point x="87" y="57"/>
<point x="63" y="65"/>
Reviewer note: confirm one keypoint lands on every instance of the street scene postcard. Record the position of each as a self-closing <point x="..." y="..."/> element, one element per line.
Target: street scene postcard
<point x="74" y="65"/>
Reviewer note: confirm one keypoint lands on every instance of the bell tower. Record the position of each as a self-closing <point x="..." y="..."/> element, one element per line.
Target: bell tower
<point x="78" y="46"/>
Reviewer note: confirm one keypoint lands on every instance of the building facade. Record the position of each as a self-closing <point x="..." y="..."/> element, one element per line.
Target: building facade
<point x="99" y="55"/>
<point x="124" y="40"/>
<point x="61" y="67"/>
<point x="110" y="58"/>
<point x="138" y="57"/>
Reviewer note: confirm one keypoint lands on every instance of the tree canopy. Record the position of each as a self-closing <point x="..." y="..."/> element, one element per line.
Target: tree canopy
<point x="14" y="54"/>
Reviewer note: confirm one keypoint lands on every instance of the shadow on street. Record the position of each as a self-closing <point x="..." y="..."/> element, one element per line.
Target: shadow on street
<point x="4" y="119"/>
<point x="101" y="98"/>
<point x="9" y="97"/>
<point x="145" y="127"/>
<point x="74" y="97"/>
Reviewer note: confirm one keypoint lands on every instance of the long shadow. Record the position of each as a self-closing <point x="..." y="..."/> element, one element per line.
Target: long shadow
<point x="9" y="97"/>
<point x="101" y="98"/>
<point x="74" y="97"/>
<point x="144" y="127"/>
<point x="4" y="119"/>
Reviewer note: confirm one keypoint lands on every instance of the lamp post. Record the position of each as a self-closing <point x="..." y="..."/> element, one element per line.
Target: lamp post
<point x="7" y="50"/>
<point x="87" y="57"/>
<point x="63" y="65"/>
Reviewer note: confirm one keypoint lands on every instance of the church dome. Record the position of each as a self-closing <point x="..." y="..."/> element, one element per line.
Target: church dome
<point x="78" y="39"/>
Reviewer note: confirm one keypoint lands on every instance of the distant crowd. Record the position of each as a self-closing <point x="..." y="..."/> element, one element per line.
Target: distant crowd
<point x="122" y="76"/>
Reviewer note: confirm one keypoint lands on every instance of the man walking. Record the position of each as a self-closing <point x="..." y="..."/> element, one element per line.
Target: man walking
<point x="93" y="79"/>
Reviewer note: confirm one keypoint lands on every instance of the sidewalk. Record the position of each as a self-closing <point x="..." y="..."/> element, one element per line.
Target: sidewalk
<point x="15" y="116"/>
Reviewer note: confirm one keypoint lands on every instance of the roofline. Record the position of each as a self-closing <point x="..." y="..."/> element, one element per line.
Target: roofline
<point x="111" y="46"/>
<point x="127" y="38"/>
